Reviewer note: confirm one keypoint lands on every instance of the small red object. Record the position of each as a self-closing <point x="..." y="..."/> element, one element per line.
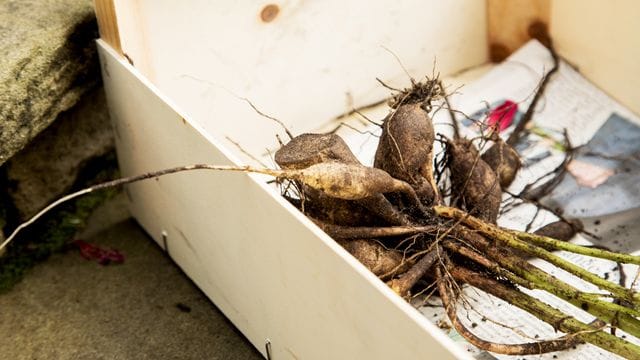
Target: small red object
<point x="501" y="117"/>
<point x="99" y="254"/>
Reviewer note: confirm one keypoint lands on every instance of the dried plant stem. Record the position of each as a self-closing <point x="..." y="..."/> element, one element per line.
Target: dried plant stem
<point x="345" y="181"/>
<point x="448" y="299"/>
<point x="526" y="118"/>
<point x="120" y="182"/>
<point x="361" y="108"/>
<point x="513" y="241"/>
<point x="406" y="281"/>
<point x="284" y="127"/>
<point x="452" y="115"/>
<point x="42" y="212"/>
<point x="548" y="314"/>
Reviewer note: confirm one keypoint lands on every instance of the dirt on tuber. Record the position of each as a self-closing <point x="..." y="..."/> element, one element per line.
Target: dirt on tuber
<point x="474" y="183"/>
<point x="405" y="150"/>
<point x="504" y="160"/>
<point x="378" y="259"/>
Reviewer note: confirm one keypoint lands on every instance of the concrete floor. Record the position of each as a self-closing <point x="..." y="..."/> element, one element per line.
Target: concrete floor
<point x="145" y="308"/>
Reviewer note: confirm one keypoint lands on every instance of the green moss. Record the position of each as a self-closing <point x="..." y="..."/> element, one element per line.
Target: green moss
<point x="54" y="231"/>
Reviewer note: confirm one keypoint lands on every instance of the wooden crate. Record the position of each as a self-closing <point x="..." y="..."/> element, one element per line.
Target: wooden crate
<point x="176" y="74"/>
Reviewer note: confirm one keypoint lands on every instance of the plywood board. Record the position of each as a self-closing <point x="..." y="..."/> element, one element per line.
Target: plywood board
<point x="108" y="23"/>
<point x="602" y="39"/>
<point x="509" y="21"/>
<point x="303" y="62"/>
<point x="266" y="266"/>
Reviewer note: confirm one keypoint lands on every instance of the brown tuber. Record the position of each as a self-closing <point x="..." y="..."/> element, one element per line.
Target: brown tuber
<point x="403" y="284"/>
<point x="504" y="160"/>
<point x="405" y="149"/>
<point x="310" y="149"/>
<point x="349" y="181"/>
<point x="335" y="211"/>
<point x="560" y="230"/>
<point x="378" y="259"/>
<point x="473" y="182"/>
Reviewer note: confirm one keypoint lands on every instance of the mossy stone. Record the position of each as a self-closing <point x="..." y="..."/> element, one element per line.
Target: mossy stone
<point x="48" y="59"/>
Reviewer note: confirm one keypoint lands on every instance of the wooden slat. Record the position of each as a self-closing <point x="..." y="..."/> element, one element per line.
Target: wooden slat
<point x="206" y="55"/>
<point x="108" y="23"/>
<point x="509" y="21"/>
<point x="602" y="38"/>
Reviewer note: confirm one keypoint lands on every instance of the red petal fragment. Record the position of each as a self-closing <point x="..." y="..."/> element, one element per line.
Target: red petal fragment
<point x="501" y="117"/>
<point x="100" y="255"/>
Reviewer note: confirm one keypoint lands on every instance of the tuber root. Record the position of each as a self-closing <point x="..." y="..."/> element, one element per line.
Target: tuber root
<point x="504" y="160"/>
<point x="473" y="181"/>
<point x="406" y="281"/>
<point x="310" y="149"/>
<point x="350" y="181"/>
<point x="378" y="259"/>
<point x="559" y="230"/>
<point x="405" y="150"/>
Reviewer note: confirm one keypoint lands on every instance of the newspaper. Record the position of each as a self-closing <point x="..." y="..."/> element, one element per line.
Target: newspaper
<point x="601" y="189"/>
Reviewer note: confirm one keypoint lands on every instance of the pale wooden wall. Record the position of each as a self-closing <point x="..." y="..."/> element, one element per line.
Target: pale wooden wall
<point x="107" y="22"/>
<point x="305" y="63"/>
<point x="509" y="21"/>
<point x="602" y="38"/>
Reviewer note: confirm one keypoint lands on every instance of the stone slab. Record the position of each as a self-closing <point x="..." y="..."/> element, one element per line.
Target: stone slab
<point x="47" y="61"/>
<point x="145" y="308"/>
<point x="48" y="166"/>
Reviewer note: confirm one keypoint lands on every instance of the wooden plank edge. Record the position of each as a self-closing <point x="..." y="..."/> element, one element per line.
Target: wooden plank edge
<point x="509" y="24"/>
<point x="108" y="23"/>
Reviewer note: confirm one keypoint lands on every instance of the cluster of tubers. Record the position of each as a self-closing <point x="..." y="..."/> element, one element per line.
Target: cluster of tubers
<point x="424" y="225"/>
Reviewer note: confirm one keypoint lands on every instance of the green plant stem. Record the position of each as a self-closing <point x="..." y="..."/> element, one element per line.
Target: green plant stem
<point x="513" y="241"/>
<point x="534" y="278"/>
<point x="488" y="263"/>
<point x="553" y="244"/>
<point x="548" y="314"/>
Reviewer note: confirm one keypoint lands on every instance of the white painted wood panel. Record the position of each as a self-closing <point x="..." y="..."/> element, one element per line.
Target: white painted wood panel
<point x="602" y="38"/>
<point x="266" y="266"/>
<point x="303" y="66"/>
